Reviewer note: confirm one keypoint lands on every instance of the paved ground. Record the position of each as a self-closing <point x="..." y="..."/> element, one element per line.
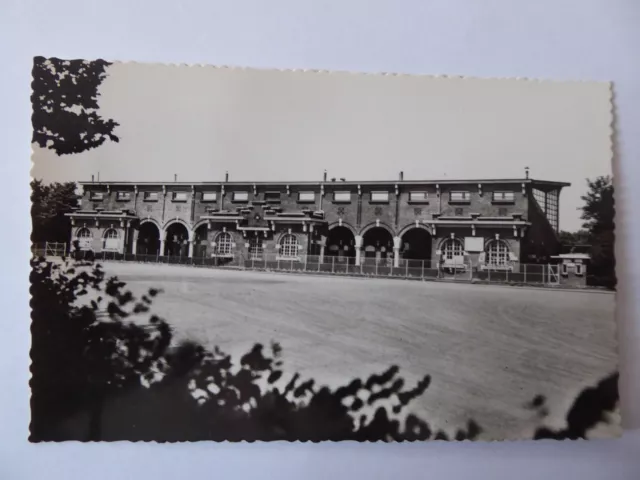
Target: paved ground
<point x="489" y="349"/>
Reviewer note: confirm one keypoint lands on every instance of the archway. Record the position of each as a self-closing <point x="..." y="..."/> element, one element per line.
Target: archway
<point x="176" y="243"/>
<point x="200" y="244"/>
<point x="148" y="239"/>
<point x="377" y="244"/>
<point x="341" y="243"/>
<point x="416" y="245"/>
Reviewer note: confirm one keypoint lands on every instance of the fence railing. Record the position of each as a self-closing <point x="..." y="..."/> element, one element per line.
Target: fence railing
<point x="514" y="272"/>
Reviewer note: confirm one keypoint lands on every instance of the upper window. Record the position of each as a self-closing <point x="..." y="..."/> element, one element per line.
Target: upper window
<point x="503" y="196"/>
<point x="341" y="196"/>
<point x="379" y="196"/>
<point x="180" y="196"/>
<point x="151" y="196"/>
<point x="272" y="197"/>
<point x="209" y="196"/>
<point x="459" y="196"/>
<point x="306" y="197"/>
<point x="578" y="269"/>
<point x="123" y="196"/>
<point x="418" y="196"/>
<point x="240" y="196"/>
<point x="96" y="196"/>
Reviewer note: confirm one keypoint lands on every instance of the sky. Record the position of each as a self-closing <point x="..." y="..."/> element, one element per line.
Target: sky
<point x="197" y="122"/>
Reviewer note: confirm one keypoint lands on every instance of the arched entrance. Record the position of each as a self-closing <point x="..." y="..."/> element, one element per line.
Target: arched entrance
<point x="176" y="242"/>
<point x="148" y="239"/>
<point x="341" y="243"/>
<point x="416" y="245"/>
<point x="200" y="244"/>
<point x="377" y="244"/>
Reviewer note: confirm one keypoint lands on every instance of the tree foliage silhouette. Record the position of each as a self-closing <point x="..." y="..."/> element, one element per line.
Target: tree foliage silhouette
<point x="65" y="105"/>
<point x="49" y="203"/>
<point x="599" y="213"/>
<point x="96" y="375"/>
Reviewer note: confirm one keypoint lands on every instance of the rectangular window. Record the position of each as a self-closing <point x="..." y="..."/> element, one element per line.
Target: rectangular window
<point x="180" y="196"/>
<point x="209" y="196"/>
<point x="151" y="196"/>
<point x="502" y="212"/>
<point x="418" y="196"/>
<point x="240" y="196"/>
<point x="96" y="196"/>
<point x="459" y="196"/>
<point x="379" y="197"/>
<point x="123" y="196"/>
<point x="459" y="212"/>
<point x="578" y="269"/>
<point x="565" y="269"/>
<point x="342" y="197"/>
<point x="306" y="197"/>
<point x="503" y="196"/>
<point x="272" y="197"/>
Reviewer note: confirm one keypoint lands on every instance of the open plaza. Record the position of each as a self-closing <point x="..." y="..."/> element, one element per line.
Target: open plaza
<point x="489" y="349"/>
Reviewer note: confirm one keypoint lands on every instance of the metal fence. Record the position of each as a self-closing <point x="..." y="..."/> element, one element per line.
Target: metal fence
<point x="514" y="272"/>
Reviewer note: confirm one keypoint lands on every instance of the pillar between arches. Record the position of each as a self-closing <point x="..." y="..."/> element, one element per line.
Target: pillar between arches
<point x="397" y="242"/>
<point x="358" y="239"/>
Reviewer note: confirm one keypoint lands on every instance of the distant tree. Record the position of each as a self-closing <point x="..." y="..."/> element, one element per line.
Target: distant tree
<point x="49" y="203"/>
<point x="97" y="375"/>
<point x="65" y="105"/>
<point x="570" y="239"/>
<point x="599" y="214"/>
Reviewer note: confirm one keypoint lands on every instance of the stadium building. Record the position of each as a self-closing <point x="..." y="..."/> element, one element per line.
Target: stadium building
<point x="493" y="223"/>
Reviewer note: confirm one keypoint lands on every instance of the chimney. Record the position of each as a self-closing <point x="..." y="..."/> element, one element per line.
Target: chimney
<point x="401" y="176"/>
<point x="526" y="172"/>
<point x="343" y="179"/>
<point x="226" y="176"/>
<point x="333" y="179"/>
<point x="175" y="177"/>
<point x="92" y="178"/>
<point x="325" y="176"/>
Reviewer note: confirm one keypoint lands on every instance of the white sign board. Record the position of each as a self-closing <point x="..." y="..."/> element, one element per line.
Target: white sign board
<point x="474" y="244"/>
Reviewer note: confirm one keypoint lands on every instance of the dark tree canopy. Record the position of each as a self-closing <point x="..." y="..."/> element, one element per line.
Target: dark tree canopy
<point x="49" y="203"/>
<point x="598" y="213"/>
<point x="65" y="105"/>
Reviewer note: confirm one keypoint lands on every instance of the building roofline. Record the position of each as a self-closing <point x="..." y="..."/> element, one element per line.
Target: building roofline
<point x="337" y="182"/>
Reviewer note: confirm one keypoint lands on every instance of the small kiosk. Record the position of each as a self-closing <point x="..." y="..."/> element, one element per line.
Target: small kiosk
<point x="572" y="268"/>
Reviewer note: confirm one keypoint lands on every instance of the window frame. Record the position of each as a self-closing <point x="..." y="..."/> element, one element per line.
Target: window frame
<point x="342" y="200"/>
<point x="237" y="193"/>
<point x="466" y="196"/>
<point x="379" y="192"/>
<point x="256" y="248"/>
<point x="120" y="193"/>
<point x="512" y="198"/>
<point x="579" y="269"/>
<point x="424" y="199"/>
<point x="174" y="196"/>
<point x="306" y="192"/>
<point x="209" y="200"/>
<point x="269" y="196"/>
<point x="286" y="248"/>
<point x="228" y="245"/>
<point x="501" y="250"/>
<point x="146" y="196"/>
<point x="97" y="196"/>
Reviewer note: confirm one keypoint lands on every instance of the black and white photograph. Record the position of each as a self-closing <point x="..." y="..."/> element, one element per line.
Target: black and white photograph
<point x="239" y="254"/>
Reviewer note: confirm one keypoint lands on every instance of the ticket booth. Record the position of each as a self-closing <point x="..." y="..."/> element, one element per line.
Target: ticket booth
<point x="572" y="268"/>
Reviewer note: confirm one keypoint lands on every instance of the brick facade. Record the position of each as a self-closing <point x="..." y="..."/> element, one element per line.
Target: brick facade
<point x="377" y="217"/>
